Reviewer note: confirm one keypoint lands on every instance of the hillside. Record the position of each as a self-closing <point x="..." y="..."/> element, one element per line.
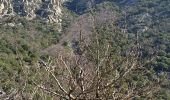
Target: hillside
<point x="85" y="49"/>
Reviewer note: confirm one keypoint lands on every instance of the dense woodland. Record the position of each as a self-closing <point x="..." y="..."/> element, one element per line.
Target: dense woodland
<point x="107" y="50"/>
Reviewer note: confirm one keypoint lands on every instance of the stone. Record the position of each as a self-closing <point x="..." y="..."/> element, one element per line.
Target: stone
<point x="50" y="10"/>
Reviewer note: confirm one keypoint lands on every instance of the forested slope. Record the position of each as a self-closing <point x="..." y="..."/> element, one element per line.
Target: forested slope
<point x="107" y="49"/>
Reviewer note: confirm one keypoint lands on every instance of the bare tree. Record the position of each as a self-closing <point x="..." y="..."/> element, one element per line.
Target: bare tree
<point x="103" y="70"/>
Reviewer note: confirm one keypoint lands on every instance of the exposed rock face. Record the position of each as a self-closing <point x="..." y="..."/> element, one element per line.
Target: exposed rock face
<point x="30" y="9"/>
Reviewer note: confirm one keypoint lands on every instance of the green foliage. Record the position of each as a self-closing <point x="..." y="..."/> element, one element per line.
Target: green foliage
<point x="20" y="47"/>
<point x="147" y="23"/>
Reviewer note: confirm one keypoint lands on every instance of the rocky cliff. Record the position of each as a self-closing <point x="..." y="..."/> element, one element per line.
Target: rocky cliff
<point x="50" y="10"/>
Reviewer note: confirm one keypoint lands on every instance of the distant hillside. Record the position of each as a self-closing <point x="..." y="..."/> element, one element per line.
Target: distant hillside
<point x="93" y="49"/>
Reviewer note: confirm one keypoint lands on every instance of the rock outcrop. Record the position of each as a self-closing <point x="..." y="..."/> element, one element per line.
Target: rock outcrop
<point x="50" y="10"/>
